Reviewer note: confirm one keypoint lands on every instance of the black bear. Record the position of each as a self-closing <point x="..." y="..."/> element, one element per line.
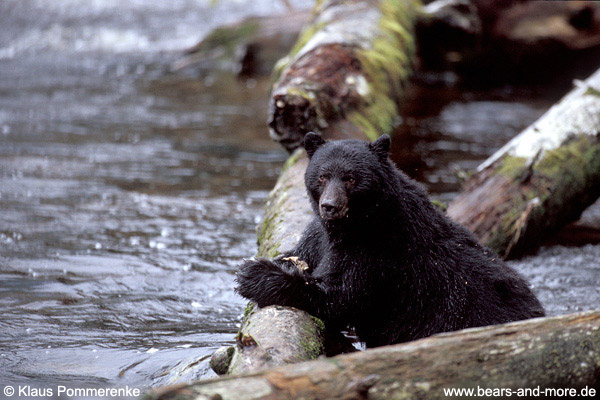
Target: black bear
<point x="378" y="256"/>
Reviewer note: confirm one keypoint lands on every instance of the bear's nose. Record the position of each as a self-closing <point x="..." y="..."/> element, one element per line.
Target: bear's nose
<point x="331" y="210"/>
<point x="328" y="207"/>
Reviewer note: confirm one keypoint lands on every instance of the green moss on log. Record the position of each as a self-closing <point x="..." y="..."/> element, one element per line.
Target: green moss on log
<point x="564" y="181"/>
<point x="318" y="323"/>
<point x="387" y="65"/>
<point x="292" y="160"/>
<point x="229" y="38"/>
<point x="307" y="33"/>
<point x="513" y="167"/>
<point x="268" y="244"/>
<point x="278" y="207"/>
<point x="312" y="341"/>
<point x="440" y="205"/>
<point x="592" y="91"/>
<point x="249" y="310"/>
<point x="571" y="163"/>
<point x="265" y="235"/>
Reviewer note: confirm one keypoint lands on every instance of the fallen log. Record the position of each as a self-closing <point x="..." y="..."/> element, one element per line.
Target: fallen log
<point x="249" y="47"/>
<point x="541" y="180"/>
<point x="269" y="337"/>
<point x="346" y="74"/>
<point x="494" y="40"/>
<point x="508" y="40"/>
<point x="540" y="355"/>
<point x="288" y="210"/>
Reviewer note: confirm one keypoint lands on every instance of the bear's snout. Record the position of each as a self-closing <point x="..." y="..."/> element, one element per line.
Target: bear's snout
<point x="333" y="203"/>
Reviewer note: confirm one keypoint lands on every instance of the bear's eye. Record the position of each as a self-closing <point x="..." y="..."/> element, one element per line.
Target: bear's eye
<point x="322" y="180"/>
<point x="350" y="181"/>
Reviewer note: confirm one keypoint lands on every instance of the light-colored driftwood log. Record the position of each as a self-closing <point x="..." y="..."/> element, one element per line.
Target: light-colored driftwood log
<point x="554" y="352"/>
<point x="269" y="337"/>
<point x="539" y="181"/>
<point x="346" y="74"/>
<point x="274" y="336"/>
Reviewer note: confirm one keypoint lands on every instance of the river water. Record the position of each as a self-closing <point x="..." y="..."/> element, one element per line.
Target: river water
<point x="128" y="194"/>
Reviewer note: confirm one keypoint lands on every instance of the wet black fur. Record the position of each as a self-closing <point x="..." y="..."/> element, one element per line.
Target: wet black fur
<point x="393" y="267"/>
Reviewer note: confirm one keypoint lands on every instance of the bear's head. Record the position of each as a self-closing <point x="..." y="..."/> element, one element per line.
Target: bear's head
<point x="345" y="178"/>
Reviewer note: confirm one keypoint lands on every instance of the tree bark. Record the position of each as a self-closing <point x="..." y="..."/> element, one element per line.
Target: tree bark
<point x="539" y="181"/>
<point x="346" y="74"/>
<point x="555" y="352"/>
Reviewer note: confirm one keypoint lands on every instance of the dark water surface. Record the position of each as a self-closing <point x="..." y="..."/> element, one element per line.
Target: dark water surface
<point x="128" y="194"/>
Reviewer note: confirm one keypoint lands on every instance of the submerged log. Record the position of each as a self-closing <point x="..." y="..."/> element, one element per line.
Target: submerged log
<point x="540" y="354"/>
<point x="346" y="73"/>
<point x="541" y="180"/>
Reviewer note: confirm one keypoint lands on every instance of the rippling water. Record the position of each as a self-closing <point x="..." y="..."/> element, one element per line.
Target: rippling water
<point x="128" y="194"/>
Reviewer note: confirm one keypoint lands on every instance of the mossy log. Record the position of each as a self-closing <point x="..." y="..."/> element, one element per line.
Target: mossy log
<point x="539" y="181"/>
<point x="495" y="38"/>
<point x="249" y="47"/>
<point x="555" y="352"/>
<point x="269" y="337"/>
<point x="346" y="74"/>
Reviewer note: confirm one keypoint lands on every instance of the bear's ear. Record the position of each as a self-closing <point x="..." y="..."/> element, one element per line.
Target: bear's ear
<point x="312" y="142"/>
<point x="381" y="146"/>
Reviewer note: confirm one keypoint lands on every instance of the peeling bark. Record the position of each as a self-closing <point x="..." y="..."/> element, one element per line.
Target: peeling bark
<point x="346" y="73"/>
<point x="541" y="180"/>
<point x="554" y="352"/>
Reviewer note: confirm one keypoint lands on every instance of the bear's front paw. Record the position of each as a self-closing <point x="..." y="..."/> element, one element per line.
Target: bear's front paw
<point x="252" y="278"/>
